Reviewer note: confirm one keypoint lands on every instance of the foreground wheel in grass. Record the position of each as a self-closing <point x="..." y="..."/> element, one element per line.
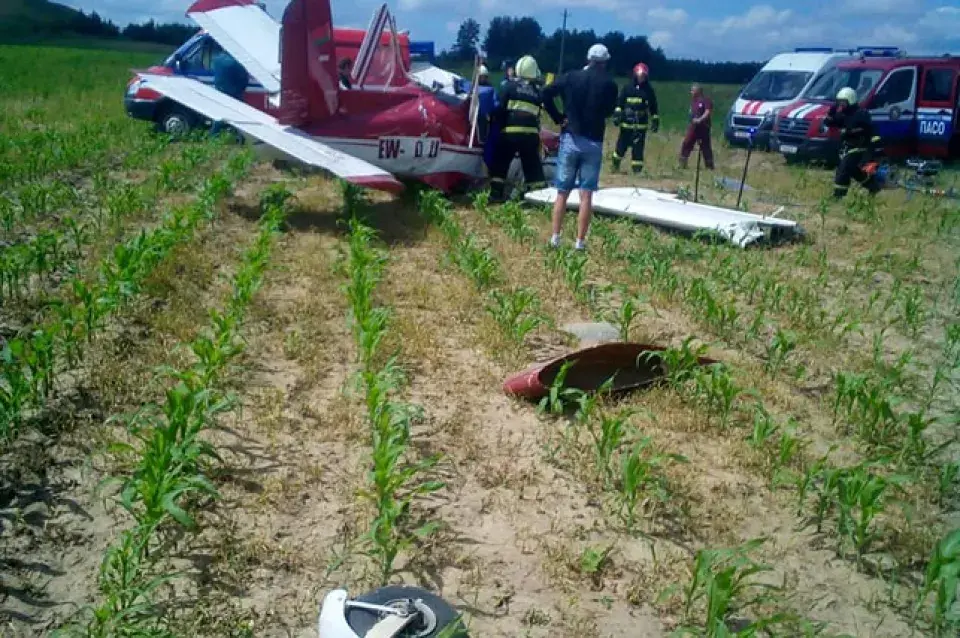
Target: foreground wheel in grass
<point x="436" y="614"/>
<point x="175" y="121"/>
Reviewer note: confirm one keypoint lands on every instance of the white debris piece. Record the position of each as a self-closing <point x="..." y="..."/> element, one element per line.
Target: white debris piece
<point x="667" y="210"/>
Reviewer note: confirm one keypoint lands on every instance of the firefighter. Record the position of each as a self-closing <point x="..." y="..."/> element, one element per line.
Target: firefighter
<point x="636" y="109"/>
<point x="856" y="138"/>
<point x="518" y="111"/>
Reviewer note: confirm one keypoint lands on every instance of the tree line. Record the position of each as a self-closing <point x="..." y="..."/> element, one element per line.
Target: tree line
<point x="508" y="38"/>
<point x="94" y="26"/>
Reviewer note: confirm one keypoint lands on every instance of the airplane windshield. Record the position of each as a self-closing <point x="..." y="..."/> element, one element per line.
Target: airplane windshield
<point x="776" y="86"/>
<point x="859" y="79"/>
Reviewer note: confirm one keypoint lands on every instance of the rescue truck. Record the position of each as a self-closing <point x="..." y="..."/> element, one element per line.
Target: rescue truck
<point x="193" y="59"/>
<point x="782" y="80"/>
<point x="913" y="103"/>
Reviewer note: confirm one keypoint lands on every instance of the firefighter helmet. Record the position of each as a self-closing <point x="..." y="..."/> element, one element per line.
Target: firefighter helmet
<point x="527" y="68"/>
<point x="847" y="94"/>
<point x="641" y="68"/>
<point x="483" y="70"/>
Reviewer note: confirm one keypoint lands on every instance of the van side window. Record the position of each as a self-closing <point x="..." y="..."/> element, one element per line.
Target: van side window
<point x="937" y="85"/>
<point x="200" y="59"/>
<point x="898" y="88"/>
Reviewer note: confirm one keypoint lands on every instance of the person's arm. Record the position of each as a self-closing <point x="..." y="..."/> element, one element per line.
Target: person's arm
<point x="503" y="96"/>
<point x="707" y="110"/>
<point x="550" y="106"/>
<point x="618" y="112"/>
<point x="550" y="93"/>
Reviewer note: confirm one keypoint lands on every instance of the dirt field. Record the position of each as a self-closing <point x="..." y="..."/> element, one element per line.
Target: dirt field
<point x="815" y="461"/>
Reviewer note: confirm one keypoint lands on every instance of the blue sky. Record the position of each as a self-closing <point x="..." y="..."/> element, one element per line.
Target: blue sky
<point x="715" y="30"/>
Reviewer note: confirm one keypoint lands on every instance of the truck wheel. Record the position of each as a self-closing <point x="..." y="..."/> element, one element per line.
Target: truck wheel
<point x="436" y="615"/>
<point x="175" y="121"/>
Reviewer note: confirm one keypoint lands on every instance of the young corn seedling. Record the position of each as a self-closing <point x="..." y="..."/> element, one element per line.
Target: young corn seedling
<point x="716" y="387"/>
<point x="608" y="435"/>
<point x="626" y="314"/>
<point x="559" y="398"/>
<point x="642" y="481"/>
<point x="780" y="347"/>
<point x="941" y="579"/>
<point x="723" y="586"/>
<point x="516" y="311"/>
<point x="514" y="222"/>
<point x="679" y="364"/>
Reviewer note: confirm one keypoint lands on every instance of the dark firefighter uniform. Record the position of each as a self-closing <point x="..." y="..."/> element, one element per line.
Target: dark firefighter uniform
<point x="856" y="140"/>
<point x="518" y="112"/>
<point x="636" y="110"/>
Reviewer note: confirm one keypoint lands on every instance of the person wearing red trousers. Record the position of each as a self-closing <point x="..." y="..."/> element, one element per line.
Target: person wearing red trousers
<point x="701" y="110"/>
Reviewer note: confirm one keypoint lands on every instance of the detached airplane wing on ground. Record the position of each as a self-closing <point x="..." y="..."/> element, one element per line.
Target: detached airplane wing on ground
<point x="215" y="105"/>
<point x="246" y="32"/>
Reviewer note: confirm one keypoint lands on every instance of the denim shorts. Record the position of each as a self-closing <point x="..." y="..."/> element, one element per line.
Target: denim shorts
<point x="578" y="163"/>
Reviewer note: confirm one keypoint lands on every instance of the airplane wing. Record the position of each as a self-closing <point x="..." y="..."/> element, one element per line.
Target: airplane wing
<point x="247" y="32"/>
<point x="209" y="102"/>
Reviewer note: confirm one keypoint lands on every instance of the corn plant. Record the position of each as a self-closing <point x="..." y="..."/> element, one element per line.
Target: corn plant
<point x="169" y="473"/>
<point x="724" y="587"/>
<point x="716" y="388"/>
<point x="940" y="579"/>
<point x="781" y="345"/>
<point x="516" y="311"/>
<point x="559" y="397"/>
<point x="394" y="481"/>
<point x="608" y="435"/>
<point x="624" y="315"/>
<point x="514" y="222"/>
<point x="641" y="479"/>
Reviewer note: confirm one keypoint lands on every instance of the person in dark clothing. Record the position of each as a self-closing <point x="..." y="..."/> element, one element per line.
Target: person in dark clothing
<point x="230" y="78"/>
<point x="589" y="97"/>
<point x="856" y="138"/>
<point x="344" y="69"/>
<point x="509" y="73"/>
<point x="636" y="109"/>
<point x="518" y="110"/>
<point x="701" y="110"/>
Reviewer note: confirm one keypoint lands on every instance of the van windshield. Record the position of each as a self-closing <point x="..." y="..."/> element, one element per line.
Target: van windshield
<point x="776" y="86"/>
<point x="859" y="79"/>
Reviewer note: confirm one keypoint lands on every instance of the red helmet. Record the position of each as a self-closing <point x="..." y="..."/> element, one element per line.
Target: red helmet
<point x="641" y="68"/>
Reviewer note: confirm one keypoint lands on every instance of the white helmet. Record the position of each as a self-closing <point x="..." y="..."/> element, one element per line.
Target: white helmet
<point x="483" y="70"/>
<point x="598" y="53"/>
<point x="847" y="94"/>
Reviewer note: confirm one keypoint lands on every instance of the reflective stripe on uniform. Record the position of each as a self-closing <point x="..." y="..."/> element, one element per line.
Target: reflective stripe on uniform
<point x="636" y="163"/>
<point x="635" y="100"/>
<point x="634" y="127"/>
<point x="522" y="129"/>
<point x="526" y="107"/>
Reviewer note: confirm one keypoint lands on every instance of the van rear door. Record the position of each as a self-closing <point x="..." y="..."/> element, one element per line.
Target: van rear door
<point x="936" y="111"/>
<point x="893" y="110"/>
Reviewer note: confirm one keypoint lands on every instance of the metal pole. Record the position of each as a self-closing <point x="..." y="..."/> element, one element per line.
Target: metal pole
<point x="563" y="37"/>
<point x="743" y="179"/>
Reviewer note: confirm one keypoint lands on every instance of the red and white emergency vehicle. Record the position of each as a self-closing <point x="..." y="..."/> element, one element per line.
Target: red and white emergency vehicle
<point x="782" y="80"/>
<point x="914" y="104"/>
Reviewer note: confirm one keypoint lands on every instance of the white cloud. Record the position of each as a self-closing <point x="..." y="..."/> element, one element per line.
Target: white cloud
<point x="660" y="38"/>
<point x="662" y="15"/>
<point x="875" y="8"/>
<point x="761" y="16"/>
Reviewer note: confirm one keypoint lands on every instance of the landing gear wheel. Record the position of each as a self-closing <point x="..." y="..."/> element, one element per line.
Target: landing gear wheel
<point x="176" y="122"/>
<point x="435" y="614"/>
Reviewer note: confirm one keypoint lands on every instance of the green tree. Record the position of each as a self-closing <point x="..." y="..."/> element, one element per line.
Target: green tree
<point x="468" y="35"/>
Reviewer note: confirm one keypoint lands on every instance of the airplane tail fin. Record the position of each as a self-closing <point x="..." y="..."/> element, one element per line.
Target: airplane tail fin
<point x="308" y="78"/>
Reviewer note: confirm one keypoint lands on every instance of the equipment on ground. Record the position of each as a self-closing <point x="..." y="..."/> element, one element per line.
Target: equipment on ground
<point x="395" y="611"/>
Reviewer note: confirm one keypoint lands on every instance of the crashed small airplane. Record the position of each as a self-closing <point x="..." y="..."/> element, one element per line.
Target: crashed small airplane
<point x="393" y="124"/>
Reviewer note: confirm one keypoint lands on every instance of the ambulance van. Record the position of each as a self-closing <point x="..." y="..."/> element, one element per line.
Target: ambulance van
<point x="782" y="81"/>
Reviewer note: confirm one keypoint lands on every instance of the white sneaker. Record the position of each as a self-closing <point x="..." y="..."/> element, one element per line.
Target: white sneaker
<point x="555" y="241"/>
<point x="580" y="245"/>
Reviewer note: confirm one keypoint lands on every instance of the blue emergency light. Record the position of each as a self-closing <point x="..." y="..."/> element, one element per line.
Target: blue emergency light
<point x="878" y="52"/>
<point x="813" y="50"/>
